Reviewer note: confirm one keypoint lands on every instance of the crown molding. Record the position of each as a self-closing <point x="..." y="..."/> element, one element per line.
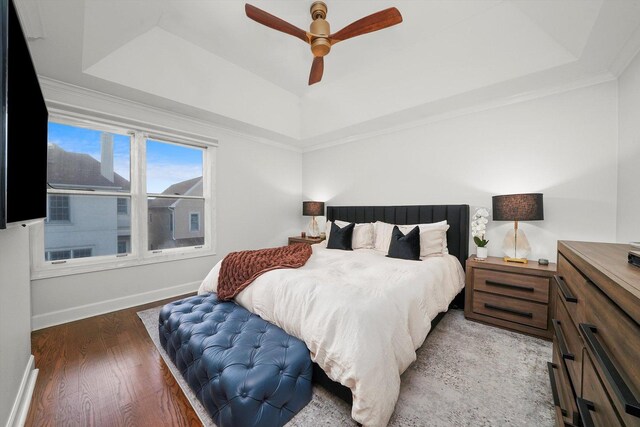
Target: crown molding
<point x="497" y="103"/>
<point x="627" y="54"/>
<point x="65" y="96"/>
<point x="31" y="19"/>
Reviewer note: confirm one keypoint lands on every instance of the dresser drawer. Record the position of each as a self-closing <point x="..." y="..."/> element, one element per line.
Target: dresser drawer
<point x="613" y="342"/>
<point x="571" y="283"/>
<point x="595" y="404"/>
<point x="569" y="343"/>
<point x="511" y="309"/>
<point x="533" y="288"/>
<point x="564" y="399"/>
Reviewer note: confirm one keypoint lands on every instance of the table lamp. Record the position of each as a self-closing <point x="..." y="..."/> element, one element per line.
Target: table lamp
<point x="517" y="207"/>
<point x="313" y="209"/>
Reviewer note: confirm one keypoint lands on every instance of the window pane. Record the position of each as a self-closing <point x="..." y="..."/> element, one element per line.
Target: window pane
<point x="172" y="223"/>
<point x="194" y="222"/>
<point x="174" y="169"/>
<point x="95" y="228"/>
<point x="123" y="205"/>
<point x="59" y="209"/>
<point x="88" y="159"/>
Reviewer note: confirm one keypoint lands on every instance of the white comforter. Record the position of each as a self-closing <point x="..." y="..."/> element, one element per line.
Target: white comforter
<point x="362" y="316"/>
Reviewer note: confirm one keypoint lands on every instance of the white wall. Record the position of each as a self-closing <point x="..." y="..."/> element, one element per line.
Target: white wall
<point x="257" y="205"/>
<point x="564" y="146"/>
<point x="629" y="154"/>
<point x="15" y="315"/>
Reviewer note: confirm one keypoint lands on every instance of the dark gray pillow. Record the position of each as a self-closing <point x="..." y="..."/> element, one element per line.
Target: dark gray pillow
<point x="405" y="246"/>
<point x="340" y="238"/>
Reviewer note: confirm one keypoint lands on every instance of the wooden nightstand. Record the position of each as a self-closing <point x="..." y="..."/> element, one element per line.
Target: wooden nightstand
<point x="309" y="240"/>
<point x="511" y="296"/>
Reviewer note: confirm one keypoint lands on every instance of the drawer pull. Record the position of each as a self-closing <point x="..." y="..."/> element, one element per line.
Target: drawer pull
<point x="509" y="285"/>
<point x="631" y="405"/>
<point x="509" y="310"/>
<point x="562" y="343"/>
<point x="554" y="388"/>
<point x="584" y="408"/>
<point x="564" y="289"/>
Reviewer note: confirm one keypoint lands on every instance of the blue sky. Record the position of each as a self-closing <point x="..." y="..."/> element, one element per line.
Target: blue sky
<point x="167" y="164"/>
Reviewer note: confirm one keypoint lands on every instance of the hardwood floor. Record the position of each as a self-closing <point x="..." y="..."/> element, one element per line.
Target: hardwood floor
<point x="105" y="371"/>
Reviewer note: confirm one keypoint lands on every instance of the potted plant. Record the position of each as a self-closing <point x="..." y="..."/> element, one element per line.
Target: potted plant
<point x="478" y="230"/>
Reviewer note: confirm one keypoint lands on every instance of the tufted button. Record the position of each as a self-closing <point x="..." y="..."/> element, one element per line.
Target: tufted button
<point x="244" y="394"/>
<point x="281" y="371"/>
<point x="257" y="346"/>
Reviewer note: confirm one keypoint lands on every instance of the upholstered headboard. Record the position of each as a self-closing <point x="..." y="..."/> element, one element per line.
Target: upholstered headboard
<point x="457" y="217"/>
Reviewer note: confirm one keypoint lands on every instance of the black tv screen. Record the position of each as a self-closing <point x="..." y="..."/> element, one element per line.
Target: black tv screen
<point x="23" y="157"/>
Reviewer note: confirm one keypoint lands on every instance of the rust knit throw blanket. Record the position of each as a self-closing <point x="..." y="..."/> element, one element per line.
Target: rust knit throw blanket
<point x="240" y="269"/>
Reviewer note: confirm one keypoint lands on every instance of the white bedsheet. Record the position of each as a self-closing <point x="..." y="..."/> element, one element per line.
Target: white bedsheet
<point x="362" y="316"/>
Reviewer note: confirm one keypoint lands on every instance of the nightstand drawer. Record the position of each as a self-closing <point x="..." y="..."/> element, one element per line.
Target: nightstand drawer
<point x="511" y="309"/>
<point x="533" y="288"/>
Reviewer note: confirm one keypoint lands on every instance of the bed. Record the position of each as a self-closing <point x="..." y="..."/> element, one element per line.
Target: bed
<point x="361" y="314"/>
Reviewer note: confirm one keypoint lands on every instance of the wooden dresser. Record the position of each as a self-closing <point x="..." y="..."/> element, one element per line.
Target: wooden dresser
<point x="510" y="295"/>
<point x="595" y="372"/>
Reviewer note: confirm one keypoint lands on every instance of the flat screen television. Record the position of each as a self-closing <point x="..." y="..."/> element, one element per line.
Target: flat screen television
<point x="23" y="135"/>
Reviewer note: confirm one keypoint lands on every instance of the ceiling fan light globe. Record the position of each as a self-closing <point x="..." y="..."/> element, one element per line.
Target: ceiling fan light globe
<point x="320" y="46"/>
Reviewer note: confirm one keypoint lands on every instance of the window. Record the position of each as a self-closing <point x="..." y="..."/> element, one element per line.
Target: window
<point x="65" y="254"/>
<point x="82" y="253"/>
<point x="194" y="222"/>
<point x="123" y="206"/>
<point x="136" y="197"/>
<point x="58" y="255"/>
<point x="59" y="208"/>
<point x="90" y="170"/>
<point x="175" y="193"/>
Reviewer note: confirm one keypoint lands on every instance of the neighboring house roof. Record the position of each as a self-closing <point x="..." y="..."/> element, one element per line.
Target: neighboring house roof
<point x="179" y="189"/>
<point x="78" y="169"/>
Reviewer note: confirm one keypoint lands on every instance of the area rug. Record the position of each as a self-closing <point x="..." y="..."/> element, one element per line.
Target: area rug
<point x="466" y="374"/>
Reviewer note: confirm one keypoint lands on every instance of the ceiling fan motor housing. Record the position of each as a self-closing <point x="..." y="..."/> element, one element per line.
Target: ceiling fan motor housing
<point x="320" y="44"/>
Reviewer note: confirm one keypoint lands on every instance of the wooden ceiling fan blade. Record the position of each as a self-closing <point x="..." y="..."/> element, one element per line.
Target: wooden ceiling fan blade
<point x="368" y="24"/>
<point x="317" y="68"/>
<point x="274" y="22"/>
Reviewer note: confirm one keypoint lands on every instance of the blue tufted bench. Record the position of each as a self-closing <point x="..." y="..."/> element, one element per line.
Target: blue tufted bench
<point x="244" y="370"/>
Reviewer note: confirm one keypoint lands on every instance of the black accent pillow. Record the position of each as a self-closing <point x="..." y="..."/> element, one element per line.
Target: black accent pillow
<point x="340" y="238"/>
<point x="405" y="246"/>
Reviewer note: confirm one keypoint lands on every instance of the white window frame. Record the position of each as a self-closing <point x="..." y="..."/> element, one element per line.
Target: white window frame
<point x="138" y="207"/>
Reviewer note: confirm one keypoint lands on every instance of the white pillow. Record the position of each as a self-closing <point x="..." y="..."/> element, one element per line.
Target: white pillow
<point x="433" y="237"/>
<point x="362" y="237"/>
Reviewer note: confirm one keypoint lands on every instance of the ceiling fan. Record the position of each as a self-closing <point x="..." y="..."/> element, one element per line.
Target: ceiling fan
<point x="319" y="36"/>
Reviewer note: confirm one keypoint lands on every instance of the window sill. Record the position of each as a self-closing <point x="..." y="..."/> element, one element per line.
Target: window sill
<point x="82" y="266"/>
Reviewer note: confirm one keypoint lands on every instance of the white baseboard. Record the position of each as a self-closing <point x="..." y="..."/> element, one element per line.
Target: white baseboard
<point x="82" y="312"/>
<point x="20" y="408"/>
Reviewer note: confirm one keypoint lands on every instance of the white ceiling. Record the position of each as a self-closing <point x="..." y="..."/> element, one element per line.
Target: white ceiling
<point x="205" y="58"/>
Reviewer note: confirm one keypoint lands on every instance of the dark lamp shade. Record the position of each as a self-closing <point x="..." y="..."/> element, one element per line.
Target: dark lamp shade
<point x="313" y="208"/>
<point x="518" y="207"/>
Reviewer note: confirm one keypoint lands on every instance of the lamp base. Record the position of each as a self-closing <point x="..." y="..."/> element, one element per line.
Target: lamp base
<point x="516" y="245"/>
<point x="520" y="260"/>
<point x="312" y="230"/>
